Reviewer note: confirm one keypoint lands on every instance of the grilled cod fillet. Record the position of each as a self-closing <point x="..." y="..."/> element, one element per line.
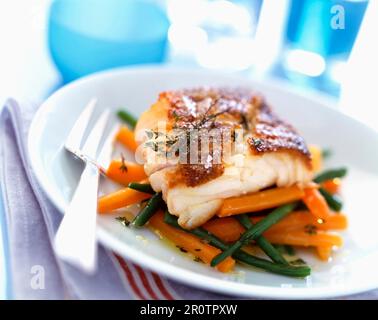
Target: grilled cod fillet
<point x="265" y="151"/>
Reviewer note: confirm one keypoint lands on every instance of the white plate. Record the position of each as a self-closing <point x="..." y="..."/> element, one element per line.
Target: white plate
<point x="354" y="267"/>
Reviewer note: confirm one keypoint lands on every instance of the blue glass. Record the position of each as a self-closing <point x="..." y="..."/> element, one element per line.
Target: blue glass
<point x="309" y="26"/>
<point x="310" y="29"/>
<point x="86" y="36"/>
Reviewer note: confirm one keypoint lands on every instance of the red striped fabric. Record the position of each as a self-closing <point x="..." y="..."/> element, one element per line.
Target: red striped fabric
<point x="145" y="282"/>
<point x="162" y="287"/>
<point x="130" y="278"/>
<point x="145" y="285"/>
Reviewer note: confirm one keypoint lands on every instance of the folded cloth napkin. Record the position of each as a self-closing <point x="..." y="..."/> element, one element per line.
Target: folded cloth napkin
<point x="32" y="221"/>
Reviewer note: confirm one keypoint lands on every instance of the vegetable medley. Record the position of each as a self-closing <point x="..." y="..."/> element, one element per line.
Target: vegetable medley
<point x="274" y="220"/>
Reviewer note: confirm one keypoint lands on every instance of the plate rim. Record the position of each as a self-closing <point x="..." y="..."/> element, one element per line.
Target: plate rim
<point x="173" y="272"/>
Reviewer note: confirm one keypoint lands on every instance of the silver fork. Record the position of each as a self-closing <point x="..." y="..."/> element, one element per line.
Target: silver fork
<point x="75" y="241"/>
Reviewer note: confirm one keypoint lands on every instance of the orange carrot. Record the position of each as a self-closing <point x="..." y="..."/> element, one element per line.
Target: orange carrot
<point x="126" y="137"/>
<point x="125" y="172"/>
<point x="317" y="159"/>
<point x="316" y="203"/>
<point x="300" y="219"/>
<point x="332" y="186"/>
<point x="302" y="238"/>
<point x="190" y="243"/>
<point x="324" y="253"/>
<point x="260" y="200"/>
<point x="120" y="199"/>
<point x="229" y="229"/>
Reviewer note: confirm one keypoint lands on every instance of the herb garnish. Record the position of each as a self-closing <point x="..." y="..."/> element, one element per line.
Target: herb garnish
<point x="123" y="221"/>
<point x="298" y="262"/>
<point x="123" y="166"/>
<point x="182" y="249"/>
<point x="244" y="121"/>
<point x="326" y="153"/>
<point x="170" y="143"/>
<point x="257" y="142"/>
<point x="311" y="229"/>
<point x="197" y="259"/>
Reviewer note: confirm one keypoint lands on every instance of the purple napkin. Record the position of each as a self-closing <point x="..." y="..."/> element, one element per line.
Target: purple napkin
<point x="32" y="221"/>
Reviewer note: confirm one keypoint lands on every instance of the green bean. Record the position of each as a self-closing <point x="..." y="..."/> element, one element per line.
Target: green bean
<point x="262" y="242"/>
<point x="255" y="231"/>
<point x="148" y="211"/>
<point x="127" y="117"/>
<point x="331" y="174"/>
<point x="334" y="203"/>
<point x="242" y="256"/>
<point x="142" y="187"/>
<point x="283" y="269"/>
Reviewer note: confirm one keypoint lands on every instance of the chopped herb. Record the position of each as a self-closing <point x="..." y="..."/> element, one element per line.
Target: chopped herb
<point x="290" y="250"/>
<point x="149" y="134"/>
<point x="244" y="122"/>
<point x="123" y="221"/>
<point x="326" y="153"/>
<point x="298" y="262"/>
<point x="182" y="249"/>
<point x="257" y="142"/>
<point x="152" y="144"/>
<point x="310" y="229"/>
<point x="169" y="144"/>
<point x="123" y="166"/>
<point x="196" y="259"/>
<point x="233" y="136"/>
<point x="176" y="116"/>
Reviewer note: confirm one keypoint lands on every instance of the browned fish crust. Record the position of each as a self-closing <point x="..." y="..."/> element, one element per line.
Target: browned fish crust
<point x="271" y="134"/>
<point x="196" y="174"/>
<point x="187" y="106"/>
<point x="208" y="108"/>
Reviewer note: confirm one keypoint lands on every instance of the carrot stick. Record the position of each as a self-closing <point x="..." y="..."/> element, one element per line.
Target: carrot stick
<point x="260" y="200"/>
<point x="125" y="172"/>
<point x="324" y="253"/>
<point x="317" y="159"/>
<point x="126" y="137"/>
<point x="190" y="243"/>
<point x="229" y="230"/>
<point x="332" y="186"/>
<point x="302" y="238"/>
<point x="300" y="219"/>
<point x="316" y="203"/>
<point x="120" y="199"/>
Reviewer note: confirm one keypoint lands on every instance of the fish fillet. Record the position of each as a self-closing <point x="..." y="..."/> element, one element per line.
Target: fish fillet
<point x="253" y="148"/>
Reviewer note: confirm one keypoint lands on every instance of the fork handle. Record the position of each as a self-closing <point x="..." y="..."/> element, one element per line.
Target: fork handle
<point x="75" y="241"/>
